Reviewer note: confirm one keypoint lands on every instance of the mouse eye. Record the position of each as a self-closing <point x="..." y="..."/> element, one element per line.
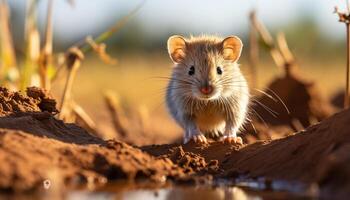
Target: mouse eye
<point x="191" y="72"/>
<point x="219" y="70"/>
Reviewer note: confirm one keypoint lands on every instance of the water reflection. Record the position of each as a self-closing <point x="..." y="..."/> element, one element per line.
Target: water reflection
<point x="186" y="193"/>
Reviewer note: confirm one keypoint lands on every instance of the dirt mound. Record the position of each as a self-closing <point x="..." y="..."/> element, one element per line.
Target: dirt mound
<point x="318" y="154"/>
<point x="338" y="99"/>
<point x="43" y="124"/>
<point x="299" y="156"/>
<point x="34" y="145"/>
<point x="33" y="113"/>
<point x="28" y="160"/>
<point x="302" y="102"/>
<point x="36" y="100"/>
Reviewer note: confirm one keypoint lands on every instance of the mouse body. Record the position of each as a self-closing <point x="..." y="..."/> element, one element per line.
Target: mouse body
<point x="207" y="94"/>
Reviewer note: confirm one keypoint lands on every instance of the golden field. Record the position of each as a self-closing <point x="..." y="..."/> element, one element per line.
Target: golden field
<point x="135" y="79"/>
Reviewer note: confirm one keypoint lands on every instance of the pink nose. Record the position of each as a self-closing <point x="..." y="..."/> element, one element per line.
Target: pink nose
<point x="206" y="89"/>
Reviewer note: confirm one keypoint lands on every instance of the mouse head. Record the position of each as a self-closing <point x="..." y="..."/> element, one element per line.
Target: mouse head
<point x="205" y="67"/>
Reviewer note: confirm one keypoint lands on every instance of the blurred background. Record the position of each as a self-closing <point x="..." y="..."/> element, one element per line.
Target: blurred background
<point x="312" y="30"/>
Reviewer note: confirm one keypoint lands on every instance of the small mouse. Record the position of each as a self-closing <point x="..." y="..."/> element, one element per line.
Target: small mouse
<point x="207" y="94"/>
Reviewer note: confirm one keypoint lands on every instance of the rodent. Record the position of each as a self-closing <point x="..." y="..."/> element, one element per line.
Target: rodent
<point x="207" y="93"/>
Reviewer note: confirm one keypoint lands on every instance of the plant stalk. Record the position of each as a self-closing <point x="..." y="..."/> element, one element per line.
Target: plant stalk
<point x="253" y="51"/>
<point x="346" y="95"/>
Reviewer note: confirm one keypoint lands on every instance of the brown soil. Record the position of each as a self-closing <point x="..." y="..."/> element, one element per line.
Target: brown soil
<point x="255" y="131"/>
<point x="318" y="154"/>
<point x="34" y="145"/>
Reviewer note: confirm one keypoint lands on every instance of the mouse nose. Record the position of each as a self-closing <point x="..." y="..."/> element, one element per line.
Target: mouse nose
<point x="206" y="89"/>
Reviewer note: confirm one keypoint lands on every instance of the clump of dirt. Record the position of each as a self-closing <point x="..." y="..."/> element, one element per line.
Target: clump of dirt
<point x="192" y="162"/>
<point x="214" y="151"/>
<point x="37" y="100"/>
<point x="295" y="101"/>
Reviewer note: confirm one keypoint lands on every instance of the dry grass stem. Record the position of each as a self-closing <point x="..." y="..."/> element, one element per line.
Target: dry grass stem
<point x="143" y="119"/>
<point x="253" y="50"/>
<point x="100" y="49"/>
<point x="281" y="54"/>
<point x="268" y="40"/>
<point x="84" y="118"/>
<point x="32" y="42"/>
<point x="287" y="55"/>
<point x="345" y="18"/>
<point x="297" y="125"/>
<point x="45" y="60"/>
<point x="114" y="109"/>
<point x="7" y="53"/>
<point x="73" y="61"/>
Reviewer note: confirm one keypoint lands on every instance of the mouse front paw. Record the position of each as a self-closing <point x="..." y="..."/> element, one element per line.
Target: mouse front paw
<point x="232" y="139"/>
<point x="197" y="138"/>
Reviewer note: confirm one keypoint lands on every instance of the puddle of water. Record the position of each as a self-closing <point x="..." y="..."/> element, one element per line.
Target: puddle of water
<point x="293" y="187"/>
<point x="185" y="193"/>
<point x="245" y="191"/>
<point x="223" y="190"/>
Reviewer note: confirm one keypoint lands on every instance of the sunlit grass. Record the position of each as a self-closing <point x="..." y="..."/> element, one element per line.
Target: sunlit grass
<point x="134" y="80"/>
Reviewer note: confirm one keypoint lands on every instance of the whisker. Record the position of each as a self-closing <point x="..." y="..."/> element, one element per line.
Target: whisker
<point x="265" y="93"/>
<point x="259" y="116"/>
<point x="252" y="124"/>
<point x="279" y="98"/>
<point x="272" y="112"/>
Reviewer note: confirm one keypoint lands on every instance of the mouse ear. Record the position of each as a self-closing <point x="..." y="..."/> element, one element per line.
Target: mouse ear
<point x="232" y="48"/>
<point x="176" y="48"/>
